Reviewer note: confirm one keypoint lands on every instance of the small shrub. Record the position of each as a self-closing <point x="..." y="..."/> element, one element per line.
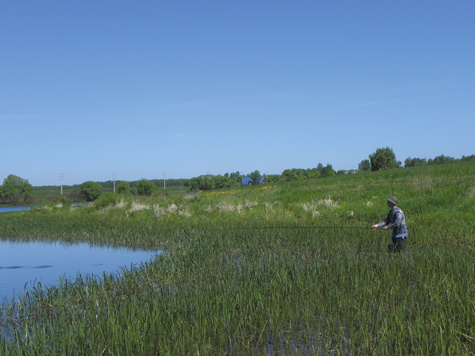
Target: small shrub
<point x="106" y="200"/>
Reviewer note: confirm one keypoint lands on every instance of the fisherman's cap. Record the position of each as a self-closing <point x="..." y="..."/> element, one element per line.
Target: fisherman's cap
<point x="393" y="200"/>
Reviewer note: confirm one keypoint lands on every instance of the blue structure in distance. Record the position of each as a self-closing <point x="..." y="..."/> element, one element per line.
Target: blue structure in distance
<point x="249" y="181"/>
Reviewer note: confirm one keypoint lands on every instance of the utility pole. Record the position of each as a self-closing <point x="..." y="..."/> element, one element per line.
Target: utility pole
<point x="113" y="179"/>
<point x="61" y="182"/>
<point x="164" y="179"/>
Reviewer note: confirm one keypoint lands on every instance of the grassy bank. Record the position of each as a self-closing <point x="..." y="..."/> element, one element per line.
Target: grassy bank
<point x="227" y="289"/>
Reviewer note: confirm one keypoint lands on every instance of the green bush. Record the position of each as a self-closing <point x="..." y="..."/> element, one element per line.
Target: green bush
<point x="123" y="188"/>
<point x="106" y="200"/>
<point x="91" y="190"/>
<point x="145" y="187"/>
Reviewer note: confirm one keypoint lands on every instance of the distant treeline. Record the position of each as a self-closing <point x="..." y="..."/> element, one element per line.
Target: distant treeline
<point x="415" y="162"/>
<point x="108" y="186"/>
<point x="228" y="180"/>
<point x="16" y="190"/>
<point x="383" y="158"/>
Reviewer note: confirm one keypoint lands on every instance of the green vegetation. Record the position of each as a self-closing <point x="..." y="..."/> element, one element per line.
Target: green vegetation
<point x="364" y="166"/>
<point x="236" y="280"/>
<point x="209" y="182"/>
<point x="145" y="187"/>
<point x="91" y="190"/>
<point x="383" y="158"/>
<point x="74" y="193"/>
<point x="123" y="188"/>
<point x="15" y="190"/>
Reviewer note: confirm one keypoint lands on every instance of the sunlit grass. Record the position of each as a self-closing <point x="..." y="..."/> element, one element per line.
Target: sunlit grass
<point x="225" y="289"/>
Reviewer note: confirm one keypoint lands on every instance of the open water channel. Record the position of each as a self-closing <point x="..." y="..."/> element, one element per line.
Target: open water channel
<point x="22" y="264"/>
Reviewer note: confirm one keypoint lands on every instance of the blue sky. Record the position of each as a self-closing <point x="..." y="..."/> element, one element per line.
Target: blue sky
<point x="139" y="88"/>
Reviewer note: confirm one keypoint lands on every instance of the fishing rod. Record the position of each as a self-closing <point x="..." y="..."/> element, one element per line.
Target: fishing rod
<point x="292" y="227"/>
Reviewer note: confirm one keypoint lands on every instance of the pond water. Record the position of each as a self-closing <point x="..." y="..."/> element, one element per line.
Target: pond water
<point x="22" y="264"/>
<point x="9" y="209"/>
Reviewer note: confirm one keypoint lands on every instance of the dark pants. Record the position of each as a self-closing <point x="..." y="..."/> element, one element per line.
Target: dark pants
<point x="397" y="245"/>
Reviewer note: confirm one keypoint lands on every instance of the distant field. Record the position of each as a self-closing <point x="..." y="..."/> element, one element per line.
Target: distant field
<point x="51" y="192"/>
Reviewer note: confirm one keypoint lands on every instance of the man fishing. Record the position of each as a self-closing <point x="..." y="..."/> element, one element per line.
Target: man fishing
<point x="396" y="222"/>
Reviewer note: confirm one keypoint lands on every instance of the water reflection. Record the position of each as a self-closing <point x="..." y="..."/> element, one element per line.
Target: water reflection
<point x="23" y="263"/>
<point x="10" y="209"/>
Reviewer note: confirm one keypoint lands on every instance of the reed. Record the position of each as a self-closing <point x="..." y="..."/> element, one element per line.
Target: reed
<point x="225" y="290"/>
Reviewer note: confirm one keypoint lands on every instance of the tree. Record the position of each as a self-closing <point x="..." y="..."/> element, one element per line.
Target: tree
<point x="364" y="165"/>
<point x="224" y="182"/>
<point x="123" y="188"/>
<point x="311" y="173"/>
<point x="443" y="159"/>
<point x="414" y="162"/>
<point x="327" y="171"/>
<point x="193" y="183"/>
<point x="255" y="176"/>
<point x="15" y="189"/>
<point x="27" y="191"/>
<point x="91" y="190"/>
<point x="273" y="178"/>
<point x="207" y="182"/>
<point x="468" y="158"/>
<point x="236" y="176"/>
<point x="383" y="158"/>
<point x="145" y="187"/>
<point x="289" y="175"/>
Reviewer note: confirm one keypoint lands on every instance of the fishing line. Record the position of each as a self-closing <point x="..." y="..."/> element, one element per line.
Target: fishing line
<point x="291" y="227"/>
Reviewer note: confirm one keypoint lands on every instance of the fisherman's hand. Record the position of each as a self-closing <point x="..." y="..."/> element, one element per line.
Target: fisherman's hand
<point x="374" y="227"/>
<point x="386" y="227"/>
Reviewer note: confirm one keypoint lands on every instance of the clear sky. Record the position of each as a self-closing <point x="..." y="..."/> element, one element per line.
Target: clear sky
<point x="139" y="88"/>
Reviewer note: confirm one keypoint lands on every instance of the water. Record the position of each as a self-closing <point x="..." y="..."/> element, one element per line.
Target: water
<point x="9" y="209"/>
<point x="24" y="263"/>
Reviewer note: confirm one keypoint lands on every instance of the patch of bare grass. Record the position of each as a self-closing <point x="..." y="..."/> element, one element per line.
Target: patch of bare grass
<point x="329" y="203"/>
<point x="229" y="207"/>
<point x="138" y="207"/>
<point x="121" y="204"/>
<point x="422" y="183"/>
<point x="172" y="208"/>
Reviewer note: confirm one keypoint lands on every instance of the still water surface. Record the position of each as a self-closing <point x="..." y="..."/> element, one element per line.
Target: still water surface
<point x="24" y="263"/>
<point x="10" y="209"/>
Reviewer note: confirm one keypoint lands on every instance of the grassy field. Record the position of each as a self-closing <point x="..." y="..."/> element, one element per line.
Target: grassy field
<point x="264" y="270"/>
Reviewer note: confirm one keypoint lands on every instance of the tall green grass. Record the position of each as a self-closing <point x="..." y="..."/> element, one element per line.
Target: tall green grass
<point x="225" y="289"/>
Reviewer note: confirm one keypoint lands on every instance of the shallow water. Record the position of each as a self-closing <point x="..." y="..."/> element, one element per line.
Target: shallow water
<point x="10" y="209"/>
<point x="22" y="264"/>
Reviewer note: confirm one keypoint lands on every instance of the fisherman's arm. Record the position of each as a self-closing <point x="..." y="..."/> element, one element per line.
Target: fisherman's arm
<point x="382" y="225"/>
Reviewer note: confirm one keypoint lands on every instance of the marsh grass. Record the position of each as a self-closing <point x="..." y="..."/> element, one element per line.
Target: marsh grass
<point x="226" y="289"/>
